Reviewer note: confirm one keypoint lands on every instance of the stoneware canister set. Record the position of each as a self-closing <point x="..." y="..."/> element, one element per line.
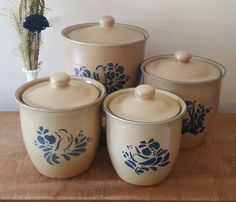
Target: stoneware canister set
<point x="146" y="124"/>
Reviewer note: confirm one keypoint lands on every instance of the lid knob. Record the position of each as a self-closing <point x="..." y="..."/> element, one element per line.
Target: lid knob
<point x="60" y="80"/>
<point x="183" y="56"/>
<point x="144" y="92"/>
<point x="106" y="21"/>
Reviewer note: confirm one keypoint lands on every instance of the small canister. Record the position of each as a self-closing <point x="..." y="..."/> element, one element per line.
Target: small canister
<point x="60" y="122"/>
<point x="143" y="133"/>
<point x="106" y="51"/>
<point x="197" y="80"/>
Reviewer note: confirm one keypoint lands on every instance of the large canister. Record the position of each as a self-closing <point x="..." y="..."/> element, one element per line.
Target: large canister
<point x="106" y="51"/>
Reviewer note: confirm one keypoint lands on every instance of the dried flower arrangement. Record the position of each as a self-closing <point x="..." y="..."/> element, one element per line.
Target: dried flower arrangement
<point x="29" y="20"/>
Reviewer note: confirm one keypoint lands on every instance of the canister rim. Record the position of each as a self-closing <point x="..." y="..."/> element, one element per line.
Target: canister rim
<point x="174" y="96"/>
<point x="65" y="33"/>
<point x="216" y="64"/>
<point x="21" y="90"/>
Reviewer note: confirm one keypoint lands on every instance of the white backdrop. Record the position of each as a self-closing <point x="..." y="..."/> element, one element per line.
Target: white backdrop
<point x="206" y="28"/>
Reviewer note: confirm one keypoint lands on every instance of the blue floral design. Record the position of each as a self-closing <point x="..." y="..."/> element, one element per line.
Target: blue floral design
<point x="114" y="75"/>
<point x="83" y="72"/>
<point x="146" y="157"/>
<point x="51" y="143"/>
<point x="35" y="23"/>
<point x="194" y="124"/>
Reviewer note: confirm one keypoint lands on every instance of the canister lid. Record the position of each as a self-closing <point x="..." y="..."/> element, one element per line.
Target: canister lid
<point x="106" y="32"/>
<point x="61" y="92"/>
<point x="182" y="67"/>
<point x="144" y="104"/>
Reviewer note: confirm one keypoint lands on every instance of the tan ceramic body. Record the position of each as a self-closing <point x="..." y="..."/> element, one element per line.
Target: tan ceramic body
<point x="85" y="118"/>
<point x="122" y="133"/>
<point x="206" y="93"/>
<point x="128" y="55"/>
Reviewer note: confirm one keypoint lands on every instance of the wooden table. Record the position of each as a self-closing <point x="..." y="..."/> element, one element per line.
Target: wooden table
<point x="205" y="173"/>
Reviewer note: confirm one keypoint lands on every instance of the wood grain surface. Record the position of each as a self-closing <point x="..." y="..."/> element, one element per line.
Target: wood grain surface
<point x="204" y="173"/>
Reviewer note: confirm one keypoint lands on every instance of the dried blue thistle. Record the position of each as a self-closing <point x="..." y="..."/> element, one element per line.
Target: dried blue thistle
<point x="35" y="23"/>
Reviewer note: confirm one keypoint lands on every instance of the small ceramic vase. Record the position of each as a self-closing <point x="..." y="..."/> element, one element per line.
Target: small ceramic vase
<point x="143" y="133"/>
<point x="197" y="80"/>
<point x="60" y="122"/>
<point x="106" y="51"/>
<point x="31" y="74"/>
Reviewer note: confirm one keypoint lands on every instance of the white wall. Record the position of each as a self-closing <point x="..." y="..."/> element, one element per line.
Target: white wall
<point x="204" y="27"/>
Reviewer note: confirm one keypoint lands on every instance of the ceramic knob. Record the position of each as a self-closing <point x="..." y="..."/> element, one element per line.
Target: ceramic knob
<point x="106" y="21"/>
<point x="183" y="56"/>
<point x="144" y="92"/>
<point x="60" y="80"/>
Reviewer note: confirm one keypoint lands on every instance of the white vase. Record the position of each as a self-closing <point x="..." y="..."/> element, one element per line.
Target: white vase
<point x="31" y="74"/>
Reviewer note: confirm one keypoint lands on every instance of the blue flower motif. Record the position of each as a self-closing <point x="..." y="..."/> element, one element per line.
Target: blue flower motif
<point x="115" y="77"/>
<point x="82" y="71"/>
<point x="113" y="74"/>
<point x="146" y="157"/>
<point x="35" y="23"/>
<point x="50" y="144"/>
<point x="194" y="124"/>
<point x="50" y="138"/>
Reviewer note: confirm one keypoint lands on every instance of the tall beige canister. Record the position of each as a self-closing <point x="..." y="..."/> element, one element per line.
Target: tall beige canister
<point x="106" y="51"/>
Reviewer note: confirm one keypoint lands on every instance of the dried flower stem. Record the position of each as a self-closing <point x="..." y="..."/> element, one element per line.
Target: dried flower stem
<point x="29" y="42"/>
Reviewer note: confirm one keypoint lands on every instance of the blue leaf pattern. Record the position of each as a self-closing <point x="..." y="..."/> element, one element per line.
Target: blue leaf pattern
<point x="83" y="72"/>
<point x="194" y="124"/>
<point x="49" y="144"/>
<point x="147" y="156"/>
<point x="114" y="75"/>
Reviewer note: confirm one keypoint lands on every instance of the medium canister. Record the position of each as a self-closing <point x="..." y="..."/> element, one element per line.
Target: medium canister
<point x="197" y="80"/>
<point x="60" y="122"/>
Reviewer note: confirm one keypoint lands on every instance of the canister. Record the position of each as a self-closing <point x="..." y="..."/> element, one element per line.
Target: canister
<point x="60" y="122"/>
<point x="143" y="133"/>
<point x="195" y="79"/>
<point x="106" y="51"/>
